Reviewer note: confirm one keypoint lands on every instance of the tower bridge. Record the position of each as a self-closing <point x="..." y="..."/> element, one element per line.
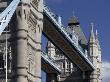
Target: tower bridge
<point x="22" y="23"/>
<point x="64" y="42"/>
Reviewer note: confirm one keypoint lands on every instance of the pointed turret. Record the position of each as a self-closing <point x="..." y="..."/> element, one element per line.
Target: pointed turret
<point x="92" y="44"/>
<point x="73" y="21"/>
<point x="92" y="36"/>
<point x="99" y="60"/>
<point x="97" y="41"/>
<point x="95" y="55"/>
<point x="74" y="27"/>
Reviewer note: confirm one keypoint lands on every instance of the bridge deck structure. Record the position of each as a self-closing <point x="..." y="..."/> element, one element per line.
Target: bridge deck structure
<point x="58" y="35"/>
<point x="55" y="32"/>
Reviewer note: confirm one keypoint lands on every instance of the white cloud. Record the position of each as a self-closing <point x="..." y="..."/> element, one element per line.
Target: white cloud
<point x="106" y="72"/>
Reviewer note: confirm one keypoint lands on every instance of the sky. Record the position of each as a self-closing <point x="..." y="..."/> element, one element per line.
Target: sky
<point x="87" y="11"/>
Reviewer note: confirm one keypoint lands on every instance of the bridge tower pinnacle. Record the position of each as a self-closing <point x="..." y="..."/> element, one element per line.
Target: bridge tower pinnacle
<point x="95" y="55"/>
<point x="99" y="64"/>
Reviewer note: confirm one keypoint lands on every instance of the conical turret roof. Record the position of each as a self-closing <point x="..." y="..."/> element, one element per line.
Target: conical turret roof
<point x="73" y="21"/>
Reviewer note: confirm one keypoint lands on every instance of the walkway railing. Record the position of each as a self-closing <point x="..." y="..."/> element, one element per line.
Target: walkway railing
<point x="52" y="17"/>
<point x="51" y="61"/>
<point x="6" y="15"/>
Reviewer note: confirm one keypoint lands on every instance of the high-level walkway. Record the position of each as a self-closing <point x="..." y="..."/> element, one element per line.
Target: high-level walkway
<point x="52" y="28"/>
<point x="58" y="35"/>
<point x="49" y="65"/>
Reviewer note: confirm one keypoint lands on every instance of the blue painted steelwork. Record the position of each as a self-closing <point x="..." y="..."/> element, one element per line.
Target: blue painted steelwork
<point x="53" y="19"/>
<point x="51" y="61"/>
<point x="5" y="18"/>
<point x="6" y="15"/>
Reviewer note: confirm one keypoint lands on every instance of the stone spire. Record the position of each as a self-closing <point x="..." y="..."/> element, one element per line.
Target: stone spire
<point x="73" y="21"/>
<point x="97" y="40"/>
<point x="99" y="60"/>
<point x="94" y="55"/>
<point x="92" y="36"/>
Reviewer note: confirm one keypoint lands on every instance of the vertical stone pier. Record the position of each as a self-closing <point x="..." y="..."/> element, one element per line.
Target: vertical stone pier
<point x="19" y="43"/>
<point x="27" y="25"/>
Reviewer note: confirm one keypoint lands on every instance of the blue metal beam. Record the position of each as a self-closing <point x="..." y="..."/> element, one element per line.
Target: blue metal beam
<point x="6" y="15"/>
<point x="51" y="17"/>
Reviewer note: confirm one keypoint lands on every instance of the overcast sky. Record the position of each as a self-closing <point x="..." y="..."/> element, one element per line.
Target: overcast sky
<point x="87" y="11"/>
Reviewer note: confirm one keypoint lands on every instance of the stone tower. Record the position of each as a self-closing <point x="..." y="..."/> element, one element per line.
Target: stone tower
<point x="95" y="55"/>
<point x="70" y="71"/>
<point x="24" y="41"/>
